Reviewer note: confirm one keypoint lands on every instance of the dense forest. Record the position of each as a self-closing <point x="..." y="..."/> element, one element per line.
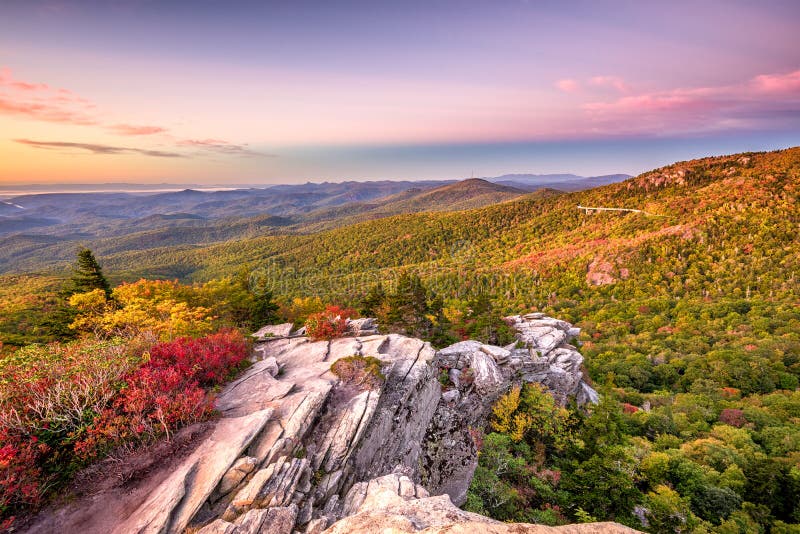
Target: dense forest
<point x="690" y="318"/>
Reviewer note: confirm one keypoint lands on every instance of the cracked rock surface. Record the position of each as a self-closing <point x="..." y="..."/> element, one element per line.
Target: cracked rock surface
<point x="299" y="450"/>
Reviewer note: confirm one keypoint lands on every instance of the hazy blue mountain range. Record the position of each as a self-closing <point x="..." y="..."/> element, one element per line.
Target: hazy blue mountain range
<point x="49" y="226"/>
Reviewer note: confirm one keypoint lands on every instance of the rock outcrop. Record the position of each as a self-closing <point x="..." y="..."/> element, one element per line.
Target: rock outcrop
<point x="299" y="450"/>
<point x="394" y="503"/>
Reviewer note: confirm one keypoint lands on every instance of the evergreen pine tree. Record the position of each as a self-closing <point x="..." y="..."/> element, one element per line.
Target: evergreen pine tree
<point x="408" y="306"/>
<point x="265" y="310"/>
<point x="87" y="275"/>
<point x="372" y="300"/>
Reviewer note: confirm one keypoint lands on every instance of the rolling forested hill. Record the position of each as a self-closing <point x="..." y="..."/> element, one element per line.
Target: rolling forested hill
<point x="715" y="226"/>
<point x="46" y="229"/>
<point x="51" y="226"/>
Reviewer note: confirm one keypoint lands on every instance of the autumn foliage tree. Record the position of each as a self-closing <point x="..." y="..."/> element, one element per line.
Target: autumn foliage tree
<point x="328" y="324"/>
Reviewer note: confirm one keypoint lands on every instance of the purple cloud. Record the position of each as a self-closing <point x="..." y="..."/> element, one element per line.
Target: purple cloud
<point x="98" y="149"/>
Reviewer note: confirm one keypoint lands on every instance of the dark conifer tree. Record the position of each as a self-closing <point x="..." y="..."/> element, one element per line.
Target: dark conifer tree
<point x="372" y="300"/>
<point x="265" y="310"/>
<point x="408" y="306"/>
<point x="88" y="275"/>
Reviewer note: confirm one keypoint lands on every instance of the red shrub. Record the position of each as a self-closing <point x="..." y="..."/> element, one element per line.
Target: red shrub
<point x="733" y="417"/>
<point x="20" y="472"/>
<point x="165" y="393"/>
<point x="629" y="408"/>
<point x="329" y="324"/>
<point x="346" y="313"/>
<point x="730" y="393"/>
<point x="209" y="360"/>
<point x="49" y="394"/>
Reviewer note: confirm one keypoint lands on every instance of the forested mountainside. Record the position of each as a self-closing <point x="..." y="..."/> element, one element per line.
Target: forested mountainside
<point x="711" y="225"/>
<point x="467" y="194"/>
<point x="562" y="182"/>
<point x="689" y="311"/>
<point x="46" y="233"/>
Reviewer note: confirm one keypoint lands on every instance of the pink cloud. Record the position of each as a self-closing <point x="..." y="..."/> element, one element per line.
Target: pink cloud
<point x="132" y="129"/>
<point x="44" y="111"/>
<point x="220" y="146"/>
<point x="763" y="101"/>
<point x="655" y="102"/>
<point x="96" y="148"/>
<point x="614" y="82"/>
<point x="778" y="83"/>
<point x="568" y="85"/>
<point x="203" y="142"/>
<point x="41" y="102"/>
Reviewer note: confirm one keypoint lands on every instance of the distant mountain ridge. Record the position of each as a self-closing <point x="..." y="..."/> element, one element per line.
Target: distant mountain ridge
<point x="538" y="232"/>
<point x="562" y="182"/>
<point x="466" y="194"/>
<point x="21" y="190"/>
<point x="118" y="222"/>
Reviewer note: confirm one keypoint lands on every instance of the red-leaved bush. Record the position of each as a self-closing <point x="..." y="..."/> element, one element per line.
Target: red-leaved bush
<point x="20" y="474"/>
<point x="629" y="408"/>
<point x="48" y="394"/>
<point x="62" y="405"/>
<point x="209" y="360"/>
<point x="166" y="392"/>
<point x="328" y="324"/>
<point x="733" y="417"/>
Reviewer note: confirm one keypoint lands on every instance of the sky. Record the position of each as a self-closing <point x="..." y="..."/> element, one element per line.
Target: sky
<point x="227" y="91"/>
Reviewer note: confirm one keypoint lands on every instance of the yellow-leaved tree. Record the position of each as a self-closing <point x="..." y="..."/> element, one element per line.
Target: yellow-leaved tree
<point x="161" y="308"/>
<point x="530" y="413"/>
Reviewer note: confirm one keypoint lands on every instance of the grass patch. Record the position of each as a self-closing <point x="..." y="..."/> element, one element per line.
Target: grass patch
<point x="363" y="371"/>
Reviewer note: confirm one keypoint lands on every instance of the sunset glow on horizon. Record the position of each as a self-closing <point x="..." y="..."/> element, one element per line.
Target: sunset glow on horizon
<point x="266" y="92"/>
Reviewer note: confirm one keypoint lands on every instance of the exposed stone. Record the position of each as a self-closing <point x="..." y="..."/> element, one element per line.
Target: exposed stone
<point x="234" y="476"/>
<point x="557" y="365"/>
<point x="499" y="354"/>
<point x="450" y="455"/>
<point x="487" y="377"/>
<point x="343" y="348"/>
<point x="316" y="526"/>
<point x="587" y="395"/>
<point x="256" y="389"/>
<point x="362" y="327"/>
<point x="278" y="520"/>
<point x="455" y="377"/>
<point x="273" y="331"/>
<point x="458" y="355"/>
<point x="297" y="449"/>
<point x="451" y="396"/>
<point x="178" y="499"/>
<point x="271" y="366"/>
<point x="392" y="503"/>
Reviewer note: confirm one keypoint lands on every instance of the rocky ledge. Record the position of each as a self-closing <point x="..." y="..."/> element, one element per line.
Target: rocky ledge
<point x="301" y="449"/>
